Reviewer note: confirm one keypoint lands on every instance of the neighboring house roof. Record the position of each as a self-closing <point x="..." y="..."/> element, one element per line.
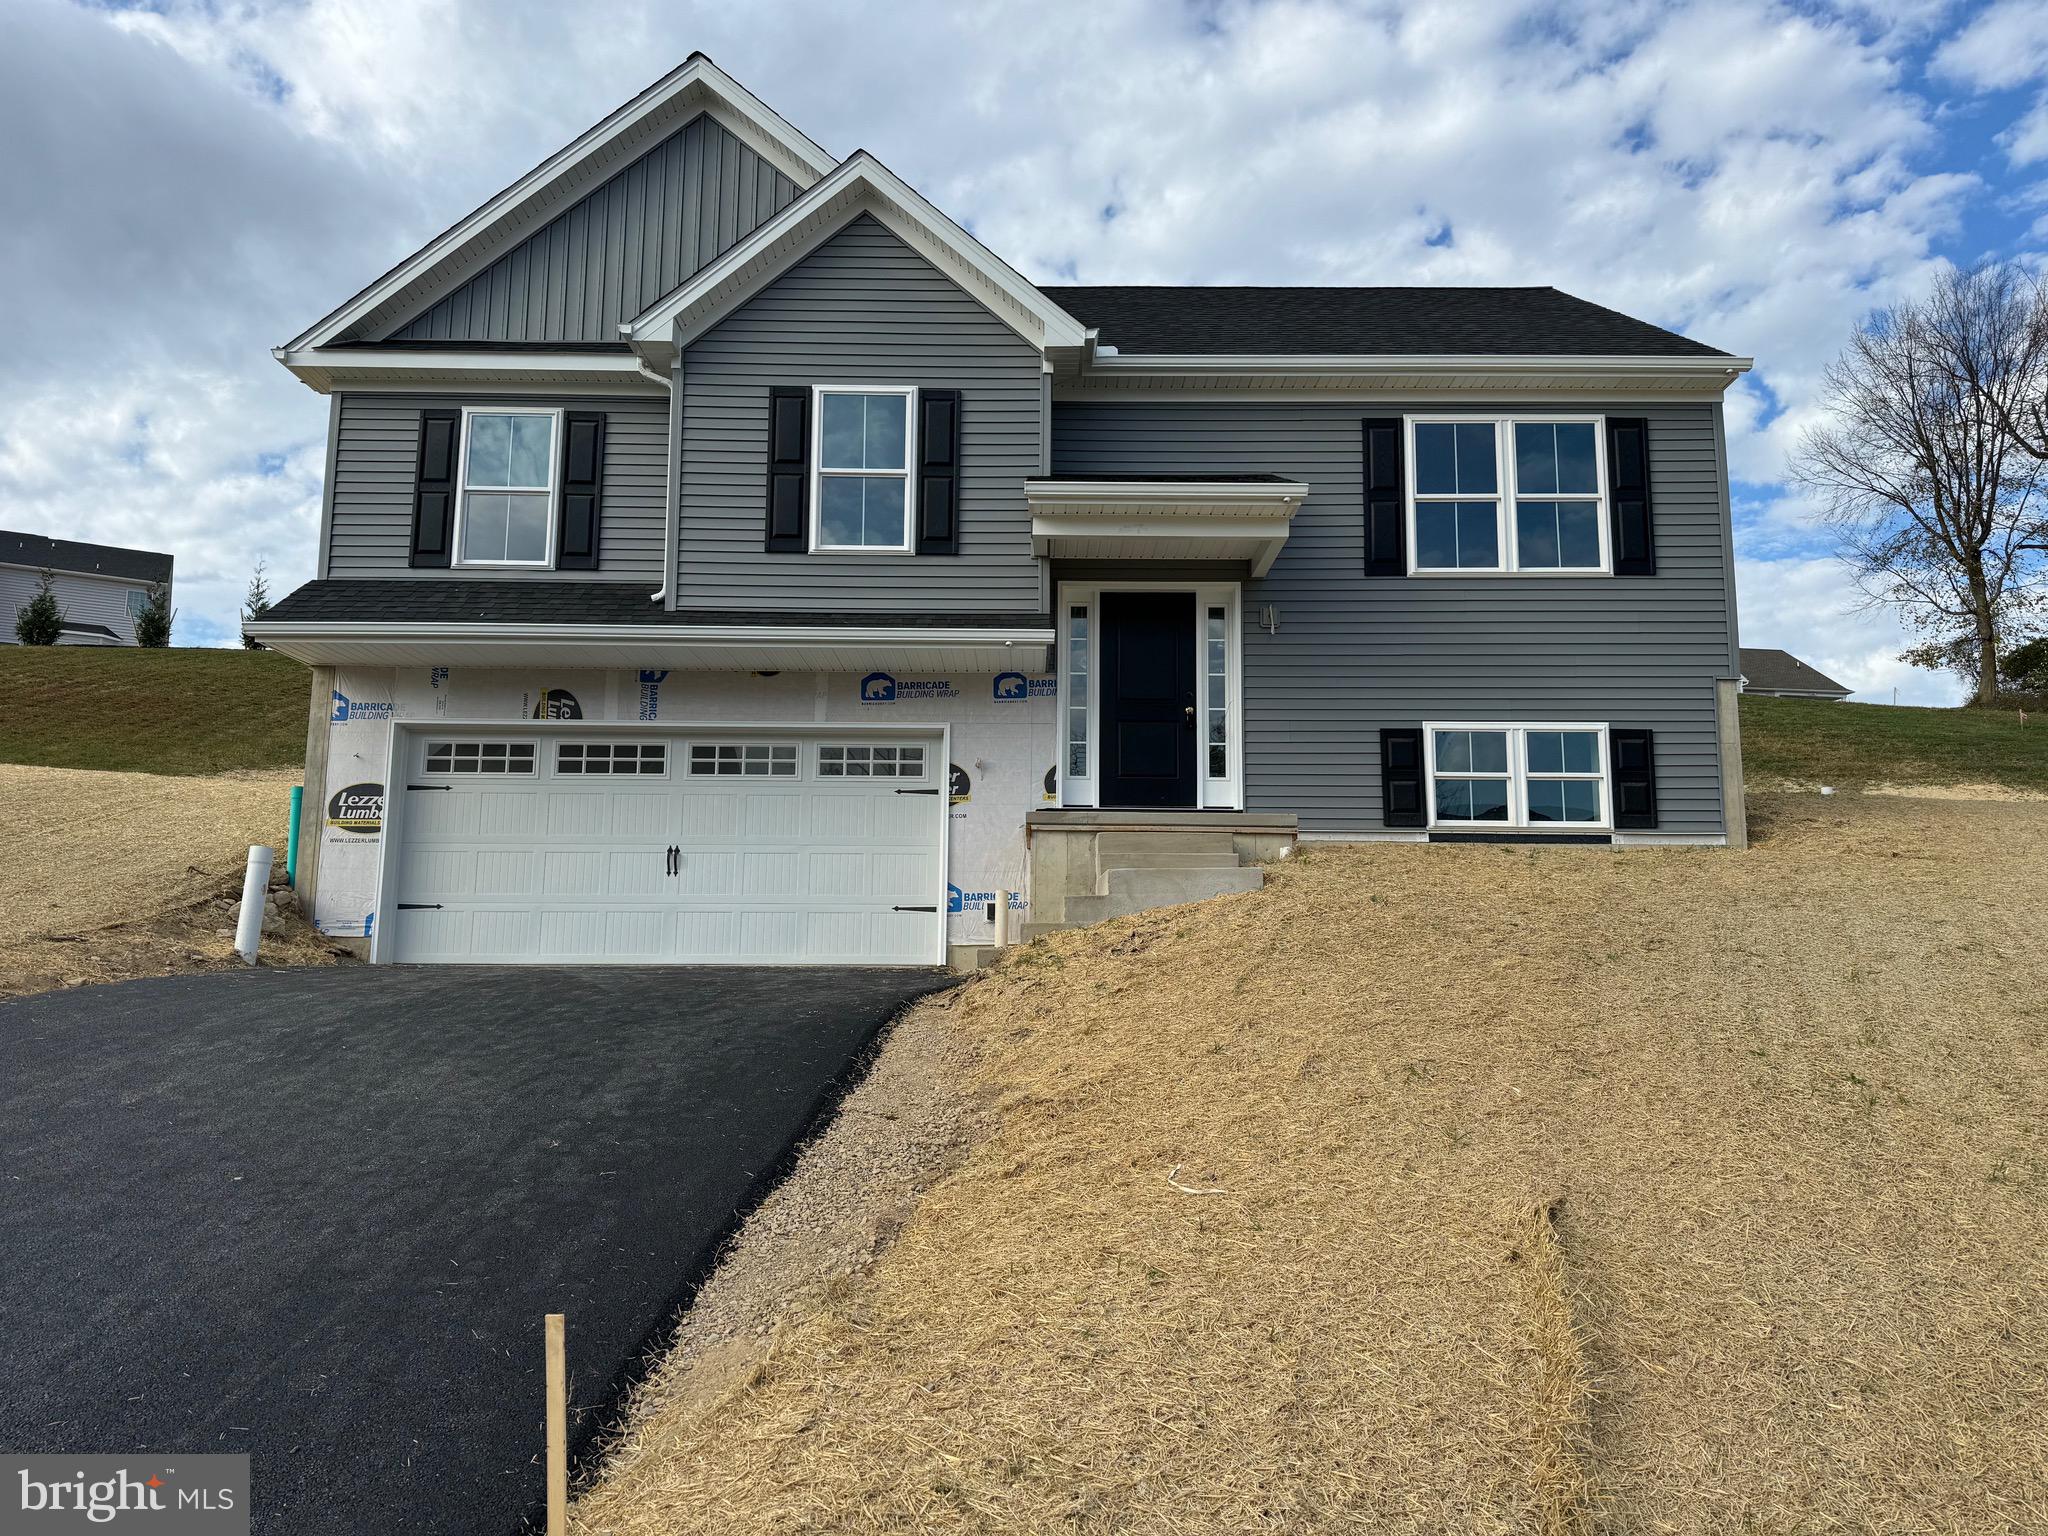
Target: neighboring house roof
<point x="97" y="631"/>
<point x="1377" y="322"/>
<point x="1769" y="671"/>
<point x="40" y="553"/>
<point x="438" y="599"/>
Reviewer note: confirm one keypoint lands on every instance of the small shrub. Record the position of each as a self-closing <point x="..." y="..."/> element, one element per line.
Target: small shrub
<point x="40" y="620"/>
<point x="153" y="624"/>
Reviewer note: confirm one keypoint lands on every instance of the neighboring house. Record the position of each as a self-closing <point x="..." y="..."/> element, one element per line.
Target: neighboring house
<point x="726" y="557"/>
<point x="1784" y="676"/>
<point x="101" y="588"/>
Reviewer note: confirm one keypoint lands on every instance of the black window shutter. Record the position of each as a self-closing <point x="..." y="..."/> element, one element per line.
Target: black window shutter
<point x="789" y="469"/>
<point x="1386" y="498"/>
<point x="1634" y="765"/>
<point x="1401" y="777"/>
<point x="1628" y="492"/>
<point x="433" y="489"/>
<point x="938" y="472"/>
<point x="582" y="490"/>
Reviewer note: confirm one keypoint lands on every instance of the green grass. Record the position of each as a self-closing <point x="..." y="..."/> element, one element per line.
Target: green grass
<point x="168" y="711"/>
<point x="1852" y="745"/>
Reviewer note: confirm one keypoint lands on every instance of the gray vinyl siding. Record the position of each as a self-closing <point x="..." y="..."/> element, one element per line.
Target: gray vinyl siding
<point x="1352" y="655"/>
<point x="617" y="250"/>
<point x="84" y="599"/>
<point x="861" y="309"/>
<point x="376" y="455"/>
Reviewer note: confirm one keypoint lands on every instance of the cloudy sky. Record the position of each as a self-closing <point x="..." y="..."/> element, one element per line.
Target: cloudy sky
<point x="187" y="185"/>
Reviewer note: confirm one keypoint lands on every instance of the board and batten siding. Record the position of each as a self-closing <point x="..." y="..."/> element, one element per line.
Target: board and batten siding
<point x="861" y="309"/>
<point x="619" y="248"/>
<point x="377" y="456"/>
<point x="84" y="600"/>
<point x="1353" y="654"/>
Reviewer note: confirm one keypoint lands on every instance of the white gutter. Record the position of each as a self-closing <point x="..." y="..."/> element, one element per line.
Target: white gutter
<point x="1231" y="494"/>
<point x="618" y="634"/>
<point x="668" y="482"/>
<point x="1344" y="364"/>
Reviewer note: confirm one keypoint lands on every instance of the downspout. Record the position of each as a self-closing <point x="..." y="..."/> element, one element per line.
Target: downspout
<point x="668" y="483"/>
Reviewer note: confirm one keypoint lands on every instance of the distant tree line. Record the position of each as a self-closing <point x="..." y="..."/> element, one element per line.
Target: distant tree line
<point x="1931" y="462"/>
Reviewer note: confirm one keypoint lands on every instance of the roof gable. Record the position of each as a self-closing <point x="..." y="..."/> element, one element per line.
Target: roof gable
<point x="40" y="553"/>
<point x="1769" y="670"/>
<point x="472" y="244"/>
<point x="859" y="185"/>
<point x="620" y="247"/>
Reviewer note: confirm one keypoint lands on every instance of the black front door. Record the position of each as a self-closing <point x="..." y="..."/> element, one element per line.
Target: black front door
<point x="1148" y="699"/>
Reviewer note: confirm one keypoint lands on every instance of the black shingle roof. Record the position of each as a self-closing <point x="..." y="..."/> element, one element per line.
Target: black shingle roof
<point x="470" y="600"/>
<point x="1375" y="322"/>
<point x="1774" y="671"/>
<point x="33" y="549"/>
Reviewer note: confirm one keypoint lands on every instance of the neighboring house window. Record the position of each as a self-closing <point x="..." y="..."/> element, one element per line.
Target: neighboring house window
<point x="508" y="487"/>
<point x="1517" y="775"/>
<point x="137" y="602"/>
<point x="862" y="471"/>
<point x="1507" y="494"/>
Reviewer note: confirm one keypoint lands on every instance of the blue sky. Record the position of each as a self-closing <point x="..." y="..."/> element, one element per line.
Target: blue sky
<point x="190" y="184"/>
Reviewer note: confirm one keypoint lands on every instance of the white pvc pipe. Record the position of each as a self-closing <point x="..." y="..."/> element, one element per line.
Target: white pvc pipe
<point x="1002" y="919"/>
<point x="255" y="886"/>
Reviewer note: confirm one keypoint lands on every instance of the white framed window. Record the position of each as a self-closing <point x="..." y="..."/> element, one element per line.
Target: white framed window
<point x="505" y="513"/>
<point x="593" y="759"/>
<point x="743" y="759"/>
<point x="1507" y="495"/>
<point x="860" y="467"/>
<point x="138" y="600"/>
<point x="1489" y="774"/>
<point x="1216" y="694"/>
<point x="480" y="757"/>
<point x="1076" y="702"/>
<point x="870" y="760"/>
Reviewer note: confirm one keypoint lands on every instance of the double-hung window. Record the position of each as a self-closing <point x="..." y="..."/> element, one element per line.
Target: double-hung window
<point x="1511" y="494"/>
<point x="508" y="486"/>
<point x="861" y="472"/>
<point x="1491" y="775"/>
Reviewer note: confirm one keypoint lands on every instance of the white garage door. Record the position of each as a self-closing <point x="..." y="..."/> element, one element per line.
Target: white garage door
<point x="634" y="847"/>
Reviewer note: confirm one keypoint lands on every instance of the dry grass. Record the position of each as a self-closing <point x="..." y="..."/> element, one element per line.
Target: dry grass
<point x="112" y="875"/>
<point x="1779" y="1117"/>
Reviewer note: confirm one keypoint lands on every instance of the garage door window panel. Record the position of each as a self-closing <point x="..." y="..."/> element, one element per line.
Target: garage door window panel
<point x="864" y="760"/>
<point x="743" y="759"/>
<point x="480" y="757"/>
<point x="613" y="759"/>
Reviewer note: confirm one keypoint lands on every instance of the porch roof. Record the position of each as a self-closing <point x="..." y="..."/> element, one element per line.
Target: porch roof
<point x="1164" y="517"/>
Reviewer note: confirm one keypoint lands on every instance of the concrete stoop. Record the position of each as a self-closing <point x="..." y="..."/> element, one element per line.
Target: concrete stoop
<point x="1088" y="867"/>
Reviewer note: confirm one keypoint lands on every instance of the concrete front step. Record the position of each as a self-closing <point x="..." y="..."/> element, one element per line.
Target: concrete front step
<point x="1140" y="890"/>
<point x="1141" y="850"/>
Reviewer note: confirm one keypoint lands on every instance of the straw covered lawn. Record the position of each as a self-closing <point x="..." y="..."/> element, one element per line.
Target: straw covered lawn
<point x="1477" y="1189"/>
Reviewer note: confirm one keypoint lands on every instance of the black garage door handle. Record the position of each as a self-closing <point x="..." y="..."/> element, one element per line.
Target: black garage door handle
<point x="419" y="906"/>
<point x="913" y="909"/>
<point x="917" y="791"/>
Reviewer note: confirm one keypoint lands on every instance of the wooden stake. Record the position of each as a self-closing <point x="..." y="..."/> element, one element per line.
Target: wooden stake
<point x="558" y="1427"/>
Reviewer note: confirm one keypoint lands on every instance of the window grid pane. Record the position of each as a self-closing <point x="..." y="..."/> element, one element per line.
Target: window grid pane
<point x="1216" y="646"/>
<point x="496" y="757"/>
<point x="611" y="757"/>
<point x="743" y="759"/>
<point x="866" y="760"/>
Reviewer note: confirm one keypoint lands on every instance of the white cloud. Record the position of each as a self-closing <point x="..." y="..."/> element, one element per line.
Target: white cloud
<point x="2003" y="48"/>
<point x="1807" y="607"/>
<point x="199" y="181"/>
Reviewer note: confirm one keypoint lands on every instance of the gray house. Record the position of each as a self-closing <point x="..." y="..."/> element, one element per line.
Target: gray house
<point x="727" y="557"/>
<point x="1782" y="675"/>
<point x="101" y="588"/>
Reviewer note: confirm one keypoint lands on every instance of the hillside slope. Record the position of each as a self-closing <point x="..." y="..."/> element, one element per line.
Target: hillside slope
<point x="1477" y="1189"/>
<point x="1808" y="742"/>
<point x="151" y="711"/>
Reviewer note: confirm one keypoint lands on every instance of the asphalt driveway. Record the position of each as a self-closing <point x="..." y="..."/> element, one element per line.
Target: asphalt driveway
<point x="317" y="1216"/>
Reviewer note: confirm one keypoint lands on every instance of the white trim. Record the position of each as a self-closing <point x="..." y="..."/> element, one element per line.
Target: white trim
<point x="463" y="488"/>
<point x="1220" y="494"/>
<point x="267" y="630"/>
<point x="1225" y="794"/>
<point x="751" y="120"/>
<point x="1506" y="492"/>
<point x="860" y="184"/>
<point x="1209" y="519"/>
<point x="324" y="369"/>
<point x="1345" y="364"/>
<point x="819" y="471"/>
<point x="1518" y="775"/>
<point x="399" y="734"/>
<point x="144" y="583"/>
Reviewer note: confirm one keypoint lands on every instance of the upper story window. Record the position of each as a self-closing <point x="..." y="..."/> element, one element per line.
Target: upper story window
<point x="1507" y="495"/>
<point x="508" y="486"/>
<point x="138" y="600"/>
<point x="862" y="468"/>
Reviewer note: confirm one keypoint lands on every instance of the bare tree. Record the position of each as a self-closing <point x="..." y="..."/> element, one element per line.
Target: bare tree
<point x="1937" y="508"/>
